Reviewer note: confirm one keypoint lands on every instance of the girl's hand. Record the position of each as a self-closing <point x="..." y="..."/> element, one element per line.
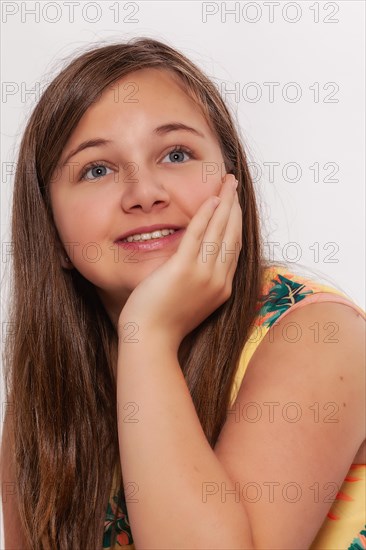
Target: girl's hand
<point x="197" y="278"/>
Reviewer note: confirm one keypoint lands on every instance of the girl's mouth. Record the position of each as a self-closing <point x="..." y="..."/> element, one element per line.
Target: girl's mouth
<point x="152" y="244"/>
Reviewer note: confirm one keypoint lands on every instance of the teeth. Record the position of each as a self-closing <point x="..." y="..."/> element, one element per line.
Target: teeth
<point x="148" y="236"/>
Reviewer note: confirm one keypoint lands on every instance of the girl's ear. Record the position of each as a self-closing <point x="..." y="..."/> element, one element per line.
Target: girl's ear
<point x="65" y="261"/>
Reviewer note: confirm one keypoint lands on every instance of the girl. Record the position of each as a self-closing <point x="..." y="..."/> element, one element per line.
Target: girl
<point x="141" y="298"/>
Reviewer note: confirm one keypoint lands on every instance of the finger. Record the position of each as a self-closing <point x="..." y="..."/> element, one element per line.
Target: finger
<point x="191" y="240"/>
<point x="224" y="268"/>
<point x="231" y="243"/>
<point x="214" y="235"/>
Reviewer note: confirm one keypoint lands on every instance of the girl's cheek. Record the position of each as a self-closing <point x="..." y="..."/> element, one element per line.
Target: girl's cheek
<point x="211" y="187"/>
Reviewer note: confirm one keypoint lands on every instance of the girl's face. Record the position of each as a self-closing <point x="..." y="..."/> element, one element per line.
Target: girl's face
<point x="136" y="180"/>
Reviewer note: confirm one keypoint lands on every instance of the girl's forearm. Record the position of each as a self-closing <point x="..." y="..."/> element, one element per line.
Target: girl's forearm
<point x="178" y="494"/>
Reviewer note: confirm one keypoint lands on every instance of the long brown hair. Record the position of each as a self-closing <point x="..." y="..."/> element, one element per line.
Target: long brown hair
<point x="62" y="348"/>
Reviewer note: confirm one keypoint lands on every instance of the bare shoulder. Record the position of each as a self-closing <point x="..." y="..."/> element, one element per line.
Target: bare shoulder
<point x="321" y="348"/>
<point x="296" y="424"/>
<point x="325" y="330"/>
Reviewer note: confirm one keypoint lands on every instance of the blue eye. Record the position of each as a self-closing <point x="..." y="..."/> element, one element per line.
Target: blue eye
<point x="97" y="167"/>
<point x="176" y="155"/>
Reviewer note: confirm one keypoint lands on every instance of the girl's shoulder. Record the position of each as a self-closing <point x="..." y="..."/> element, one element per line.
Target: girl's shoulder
<point x="282" y="292"/>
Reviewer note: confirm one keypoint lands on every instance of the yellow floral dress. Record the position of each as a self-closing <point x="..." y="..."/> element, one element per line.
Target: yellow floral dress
<point x="344" y="527"/>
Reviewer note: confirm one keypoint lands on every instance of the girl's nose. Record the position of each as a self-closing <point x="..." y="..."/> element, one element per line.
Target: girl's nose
<point x="143" y="190"/>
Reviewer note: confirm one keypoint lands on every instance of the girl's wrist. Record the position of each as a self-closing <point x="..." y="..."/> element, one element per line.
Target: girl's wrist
<point x="141" y="335"/>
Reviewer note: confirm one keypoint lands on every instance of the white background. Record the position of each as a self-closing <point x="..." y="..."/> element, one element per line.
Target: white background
<point x="313" y="49"/>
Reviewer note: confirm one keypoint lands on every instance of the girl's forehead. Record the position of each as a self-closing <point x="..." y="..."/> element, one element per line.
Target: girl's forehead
<point x="145" y="96"/>
<point x="144" y="85"/>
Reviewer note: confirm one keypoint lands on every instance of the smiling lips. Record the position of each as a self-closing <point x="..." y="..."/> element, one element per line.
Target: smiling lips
<point x="146" y="229"/>
<point x="151" y="244"/>
<point x="149" y="236"/>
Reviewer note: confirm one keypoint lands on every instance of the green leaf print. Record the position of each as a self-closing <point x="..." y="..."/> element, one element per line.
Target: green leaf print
<point x="283" y="294"/>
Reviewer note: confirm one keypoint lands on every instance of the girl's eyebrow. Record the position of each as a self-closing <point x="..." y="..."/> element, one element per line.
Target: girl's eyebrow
<point x="160" y="130"/>
<point x="174" y="126"/>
